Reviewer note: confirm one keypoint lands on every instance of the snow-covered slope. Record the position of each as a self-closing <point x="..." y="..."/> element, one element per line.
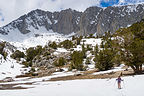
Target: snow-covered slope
<point x="10" y="68"/>
<point x="132" y="86"/>
<point x="21" y="42"/>
<point x="37" y="37"/>
<point x="91" y="41"/>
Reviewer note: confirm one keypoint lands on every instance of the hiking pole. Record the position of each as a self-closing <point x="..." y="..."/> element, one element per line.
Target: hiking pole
<point x="123" y="84"/>
<point x="115" y="82"/>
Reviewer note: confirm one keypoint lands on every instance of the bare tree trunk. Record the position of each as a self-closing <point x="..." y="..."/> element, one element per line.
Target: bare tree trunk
<point x="137" y="69"/>
<point x="141" y="68"/>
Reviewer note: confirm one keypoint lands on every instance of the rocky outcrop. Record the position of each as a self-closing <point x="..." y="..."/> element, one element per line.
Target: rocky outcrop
<point x="89" y="20"/>
<point x="48" y="56"/>
<point x="92" y="20"/>
<point x="99" y="21"/>
<point x="113" y="18"/>
<point x="67" y="21"/>
<point x="64" y="22"/>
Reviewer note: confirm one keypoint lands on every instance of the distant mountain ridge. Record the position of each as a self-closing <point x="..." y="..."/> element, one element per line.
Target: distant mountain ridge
<point x="92" y="20"/>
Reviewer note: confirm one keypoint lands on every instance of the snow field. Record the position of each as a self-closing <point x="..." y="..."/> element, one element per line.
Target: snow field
<point x="132" y="86"/>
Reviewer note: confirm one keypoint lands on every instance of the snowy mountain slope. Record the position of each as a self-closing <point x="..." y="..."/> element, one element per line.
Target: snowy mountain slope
<point x="22" y="42"/>
<point x="8" y="66"/>
<point x="92" y="20"/>
<point x="91" y="41"/>
<point x="40" y="37"/>
<point x="36" y="20"/>
<point x="115" y="17"/>
<point x="32" y="40"/>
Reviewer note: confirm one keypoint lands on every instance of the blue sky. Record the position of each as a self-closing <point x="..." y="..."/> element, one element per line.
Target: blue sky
<point x="107" y="3"/>
<point x="16" y="8"/>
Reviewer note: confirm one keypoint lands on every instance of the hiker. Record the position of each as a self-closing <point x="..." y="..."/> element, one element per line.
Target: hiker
<point x="119" y="82"/>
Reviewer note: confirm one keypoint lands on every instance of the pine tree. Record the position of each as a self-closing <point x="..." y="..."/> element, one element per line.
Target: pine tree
<point x="30" y="53"/>
<point x="77" y="60"/>
<point x="89" y="48"/>
<point x="131" y="44"/>
<point x="73" y="38"/>
<point x="87" y="61"/>
<point x="104" y="58"/>
<point x="67" y="44"/>
<point x="79" y="40"/>
<point x="53" y="45"/>
<point x="18" y="54"/>
<point x="60" y="62"/>
<point x="96" y="51"/>
<point x="84" y="51"/>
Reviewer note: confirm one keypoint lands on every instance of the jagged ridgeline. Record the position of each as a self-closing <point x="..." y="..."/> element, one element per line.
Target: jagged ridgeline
<point x="92" y="20"/>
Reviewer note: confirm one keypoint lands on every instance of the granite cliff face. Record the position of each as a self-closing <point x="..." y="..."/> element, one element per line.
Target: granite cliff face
<point x="92" y="20"/>
<point x="67" y="21"/>
<point x="64" y="22"/>
<point x="89" y="20"/>
<point x="113" y="18"/>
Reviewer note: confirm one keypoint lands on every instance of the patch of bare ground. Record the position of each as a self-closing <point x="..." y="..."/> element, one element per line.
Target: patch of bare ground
<point x="40" y="73"/>
<point x="89" y="75"/>
<point x="82" y="75"/>
<point x="14" y="86"/>
<point x="25" y="75"/>
<point x="43" y="71"/>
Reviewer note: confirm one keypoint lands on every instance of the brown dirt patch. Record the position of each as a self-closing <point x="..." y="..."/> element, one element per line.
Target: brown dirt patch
<point x="13" y="86"/>
<point x="89" y="75"/>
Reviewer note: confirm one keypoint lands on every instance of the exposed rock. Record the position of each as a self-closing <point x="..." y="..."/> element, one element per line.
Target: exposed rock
<point x="113" y="18"/>
<point x="92" y="20"/>
<point x="10" y="47"/>
<point x="67" y="22"/>
<point x="78" y="74"/>
<point x="60" y="70"/>
<point x="8" y="79"/>
<point x="89" y="20"/>
<point x="43" y="62"/>
<point x="64" y="22"/>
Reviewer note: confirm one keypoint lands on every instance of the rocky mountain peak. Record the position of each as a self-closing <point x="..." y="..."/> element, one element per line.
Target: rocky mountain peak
<point x="92" y="20"/>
